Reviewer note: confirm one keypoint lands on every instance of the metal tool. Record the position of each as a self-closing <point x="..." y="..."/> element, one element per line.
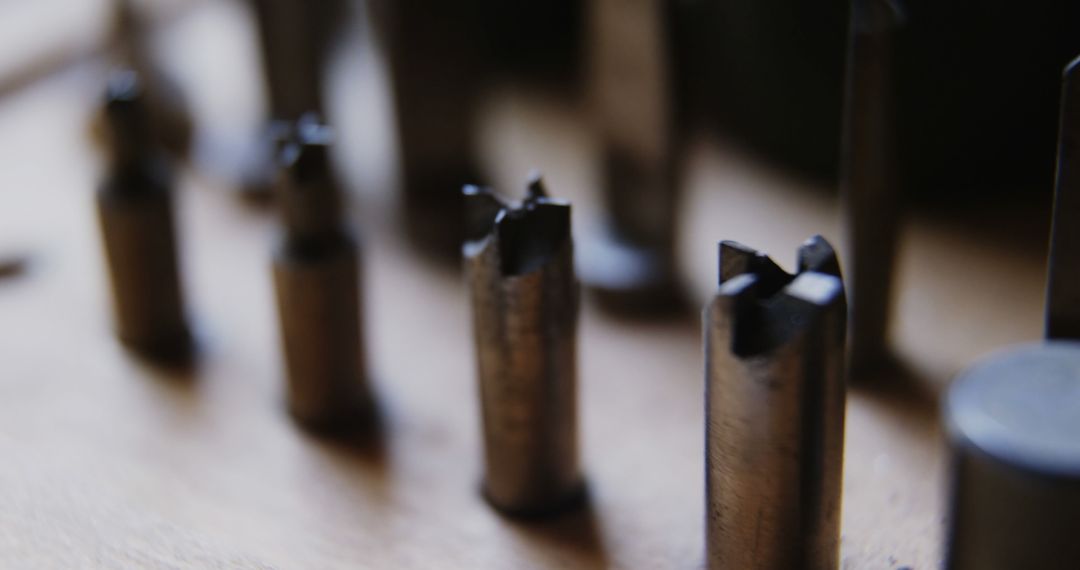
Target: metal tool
<point x="630" y="264"/>
<point x="774" y="389"/>
<point x="167" y="109"/>
<point x="295" y="41"/>
<point x="134" y="205"/>
<point x="1013" y="419"/>
<point x="1063" y="279"/>
<point x="868" y="185"/>
<point x="519" y="267"/>
<point x="435" y="68"/>
<point x="317" y="284"/>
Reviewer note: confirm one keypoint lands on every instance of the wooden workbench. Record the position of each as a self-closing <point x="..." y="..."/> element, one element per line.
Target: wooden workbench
<point x="108" y="462"/>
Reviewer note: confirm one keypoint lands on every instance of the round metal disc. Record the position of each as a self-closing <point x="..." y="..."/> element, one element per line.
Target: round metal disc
<point x="1022" y="407"/>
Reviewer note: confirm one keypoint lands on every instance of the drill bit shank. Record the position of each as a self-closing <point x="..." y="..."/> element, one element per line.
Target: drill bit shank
<point x="775" y="411"/>
<point x="519" y="266"/>
<point x="135" y="212"/>
<point x="317" y="283"/>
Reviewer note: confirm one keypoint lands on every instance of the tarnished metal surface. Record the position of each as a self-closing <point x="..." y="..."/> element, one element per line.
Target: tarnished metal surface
<point x="316" y="280"/>
<point x="519" y="267"/>
<point x="1012" y="423"/>
<point x="630" y="262"/>
<point x="135" y="211"/>
<point x="774" y="366"/>
<point x="1063" y="281"/>
<point x="869" y="185"/>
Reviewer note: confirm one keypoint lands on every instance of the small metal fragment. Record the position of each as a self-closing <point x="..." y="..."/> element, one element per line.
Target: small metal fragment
<point x="135" y="211"/>
<point x="869" y="186"/>
<point x="519" y="267"/>
<point x="317" y="284"/>
<point x="774" y="366"/>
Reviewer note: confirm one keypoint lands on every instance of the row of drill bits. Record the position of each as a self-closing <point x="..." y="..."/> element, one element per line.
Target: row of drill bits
<point x="774" y="362"/>
<point x="775" y="349"/>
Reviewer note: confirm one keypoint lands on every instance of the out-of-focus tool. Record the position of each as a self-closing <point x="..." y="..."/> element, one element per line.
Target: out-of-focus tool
<point x="630" y="264"/>
<point x="135" y="210"/>
<point x="435" y="74"/>
<point x="869" y="188"/>
<point x="167" y="110"/>
<point x="316" y="279"/>
<point x="295" y="39"/>
<point x="1063" y="279"/>
<point x="774" y="383"/>
<point x="519" y="267"/>
<point x="1014" y="417"/>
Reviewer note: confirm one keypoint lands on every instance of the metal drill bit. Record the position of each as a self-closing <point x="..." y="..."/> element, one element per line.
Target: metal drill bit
<point x="294" y="39"/>
<point x="167" y="109"/>
<point x="630" y="264"/>
<point x="1012" y="421"/>
<point x="1063" y="279"/>
<point x="435" y="67"/>
<point x="519" y="267"/>
<point x="317" y="284"/>
<point x="135" y="211"/>
<point x="774" y="366"/>
<point x="870" y="194"/>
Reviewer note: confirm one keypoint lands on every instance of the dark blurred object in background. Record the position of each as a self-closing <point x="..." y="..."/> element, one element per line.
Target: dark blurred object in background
<point x="976" y="87"/>
<point x="295" y="41"/>
<point x="434" y="56"/>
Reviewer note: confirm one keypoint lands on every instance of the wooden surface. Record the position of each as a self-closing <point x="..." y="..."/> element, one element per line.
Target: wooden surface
<point x="110" y="463"/>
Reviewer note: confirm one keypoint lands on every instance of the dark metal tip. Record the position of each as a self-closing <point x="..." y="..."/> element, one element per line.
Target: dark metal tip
<point x="816" y="254"/>
<point x="305" y="148"/>
<point x="737" y="259"/>
<point x="769" y="306"/>
<point x="482" y="206"/>
<point x="530" y="237"/>
<point x="534" y="189"/>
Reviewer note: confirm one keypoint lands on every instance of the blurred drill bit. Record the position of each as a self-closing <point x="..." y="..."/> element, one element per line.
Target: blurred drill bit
<point x="317" y="284"/>
<point x="435" y="68"/>
<point x="295" y="42"/>
<point x="519" y="267"/>
<point x="869" y="183"/>
<point x="135" y="210"/>
<point x="168" y="111"/>
<point x="630" y="264"/>
<point x="1063" y="279"/>
<point x="774" y="366"/>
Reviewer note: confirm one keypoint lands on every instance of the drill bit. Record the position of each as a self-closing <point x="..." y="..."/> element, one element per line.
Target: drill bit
<point x="135" y="211"/>
<point x="1063" y="279"/>
<point x="629" y="265"/>
<point x="435" y="68"/>
<point x="871" y="200"/>
<point x="317" y="284"/>
<point x="774" y="366"/>
<point x="519" y="267"/>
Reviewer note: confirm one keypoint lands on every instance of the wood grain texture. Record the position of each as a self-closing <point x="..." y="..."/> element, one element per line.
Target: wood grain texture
<point x="106" y="462"/>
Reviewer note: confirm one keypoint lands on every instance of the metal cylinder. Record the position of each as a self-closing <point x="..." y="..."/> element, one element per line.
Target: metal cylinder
<point x="870" y="192"/>
<point x="317" y="285"/>
<point x="629" y="265"/>
<point x="774" y="365"/>
<point x="519" y="267"/>
<point x="435" y="67"/>
<point x="135" y="212"/>
<point x="1013" y="423"/>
